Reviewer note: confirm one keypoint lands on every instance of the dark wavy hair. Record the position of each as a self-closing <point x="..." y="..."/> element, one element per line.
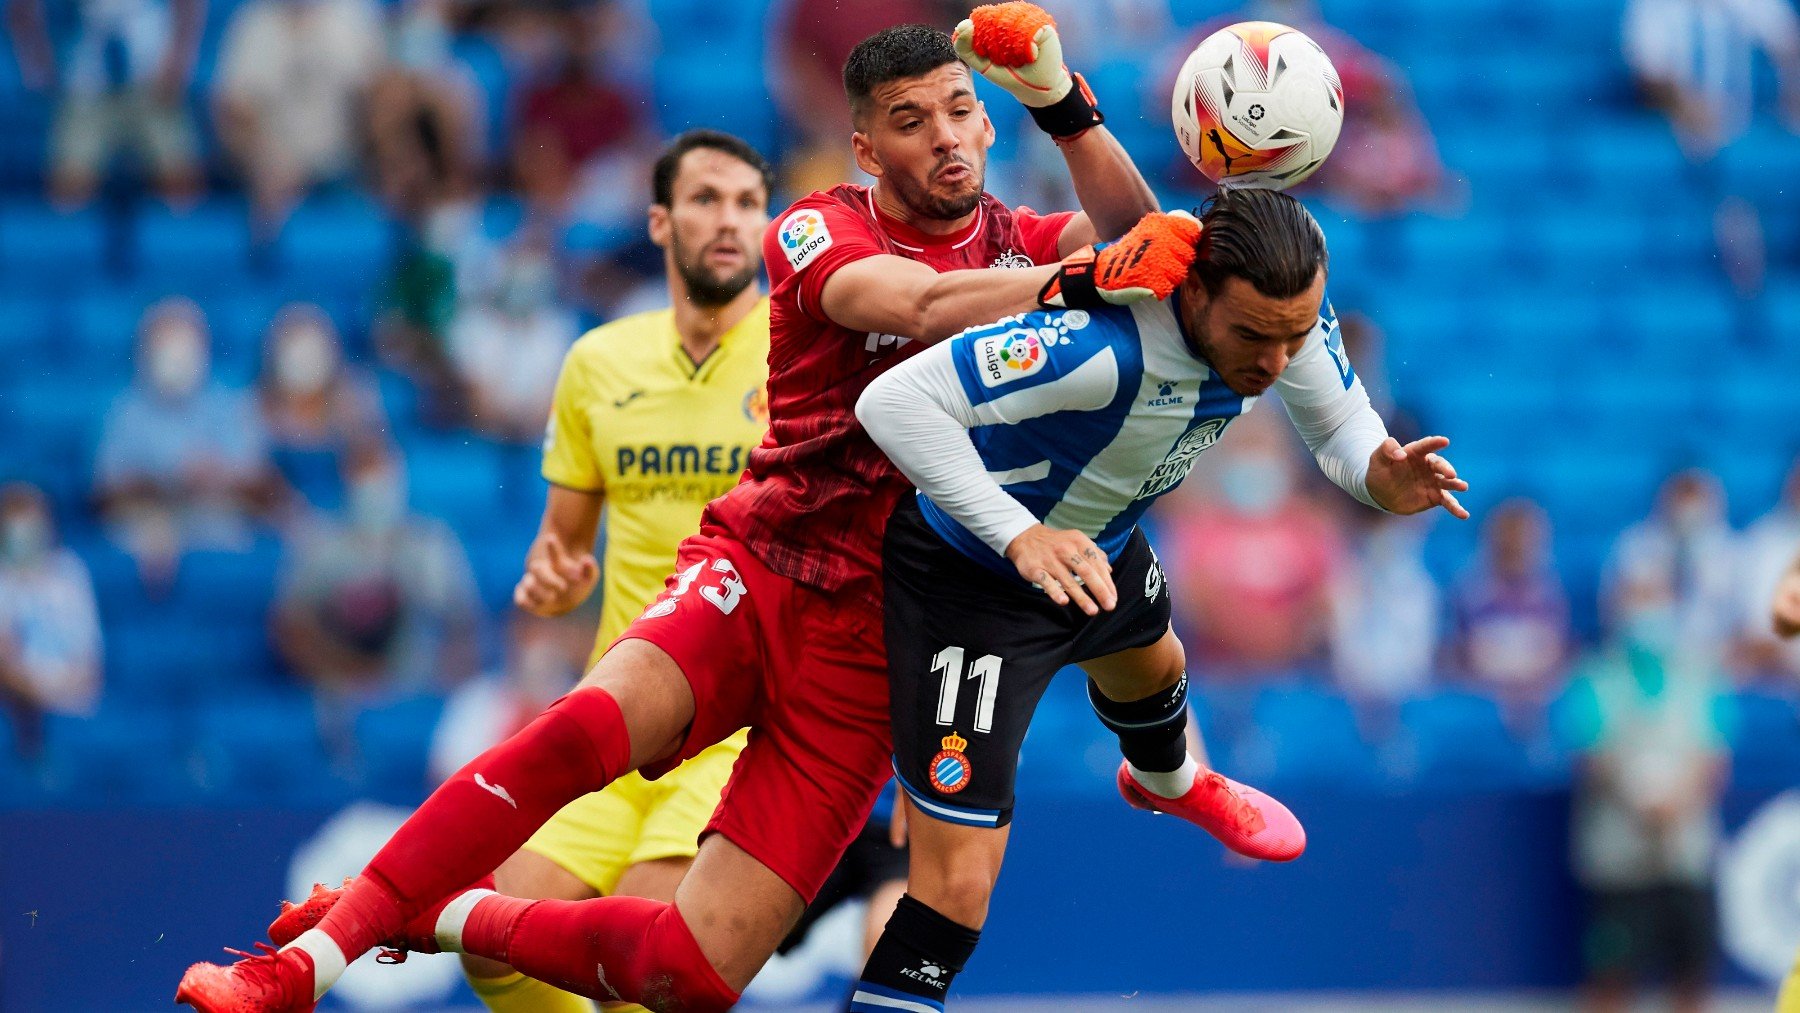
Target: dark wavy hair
<point x="893" y="54"/>
<point x="1262" y="236"/>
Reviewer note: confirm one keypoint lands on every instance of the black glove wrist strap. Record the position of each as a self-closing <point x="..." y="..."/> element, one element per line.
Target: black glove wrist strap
<point x="1074" y="113"/>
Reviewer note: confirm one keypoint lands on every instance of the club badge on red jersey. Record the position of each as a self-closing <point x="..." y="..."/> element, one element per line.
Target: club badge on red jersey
<point x="950" y="768"/>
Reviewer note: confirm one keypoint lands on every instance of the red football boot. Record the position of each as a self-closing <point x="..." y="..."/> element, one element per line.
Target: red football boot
<point x="419" y="936"/>
<point x="1242" y="818"/>
<point x="269" y="982"/>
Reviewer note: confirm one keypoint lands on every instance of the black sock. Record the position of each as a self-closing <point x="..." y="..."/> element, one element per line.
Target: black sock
<point x="1153" y="731"/>
<point x="915" y="960"/>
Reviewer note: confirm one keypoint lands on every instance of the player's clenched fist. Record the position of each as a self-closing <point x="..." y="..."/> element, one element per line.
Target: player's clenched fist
<point x="1146" y="263"/>
<point x="1015" y="45"/>
<point x="1067" y="565"/>
<point x="555" y="580"/>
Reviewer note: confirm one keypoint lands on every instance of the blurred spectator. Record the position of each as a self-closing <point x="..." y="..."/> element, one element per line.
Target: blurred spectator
<point x="544" y="658"/>
<point x="424" y="116"/>
<point x="314" y="404"/>
<point x="1512" y="632"/>
<point x="121" y="84"/>
<point x="1688" y="546"/>
<point x="376" y="600"/>
<point x="581" y="150"/>
<point x="1386" y="161"/>
<point x="182" y="460"/>
<point x="1767" y="549"/>
<point x="508" y="347"/>
<point x="1650" y="722"/>
<point x="1252" y="570"/>
<point x="445" y="256"/>
<point x="292" y="77"/>
<point x="812" y="39"/>
<point x="49" y="628"/>
<point x="1385" y="615"/>
<point x="1694" y="61"/>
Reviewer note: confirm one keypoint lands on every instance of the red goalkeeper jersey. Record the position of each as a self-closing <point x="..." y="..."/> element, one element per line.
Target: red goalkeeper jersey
<point x="816" y="495"/>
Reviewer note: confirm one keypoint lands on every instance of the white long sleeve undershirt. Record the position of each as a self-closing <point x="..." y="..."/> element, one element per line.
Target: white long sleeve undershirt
<point x="919" y="414"/>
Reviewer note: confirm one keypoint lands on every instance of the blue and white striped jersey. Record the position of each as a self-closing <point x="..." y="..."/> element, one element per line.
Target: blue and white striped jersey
<point x="1086" y="418"/>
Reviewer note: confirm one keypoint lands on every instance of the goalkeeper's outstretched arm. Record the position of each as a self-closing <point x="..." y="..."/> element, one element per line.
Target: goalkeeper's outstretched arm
<point x="1016" y="46"/>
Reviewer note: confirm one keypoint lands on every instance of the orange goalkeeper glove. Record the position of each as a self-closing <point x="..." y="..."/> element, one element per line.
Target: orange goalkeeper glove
<point x="1147" y="263"/>
<point x="1015" y="45"/>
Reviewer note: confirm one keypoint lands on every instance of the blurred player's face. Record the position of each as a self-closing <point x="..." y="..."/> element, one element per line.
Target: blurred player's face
<point x="926" y="139"/>
<point x="1246" y="337"/>
<point x="711" y="232"/>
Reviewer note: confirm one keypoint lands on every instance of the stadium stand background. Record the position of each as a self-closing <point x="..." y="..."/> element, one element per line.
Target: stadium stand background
<point x="1565" y="321"/>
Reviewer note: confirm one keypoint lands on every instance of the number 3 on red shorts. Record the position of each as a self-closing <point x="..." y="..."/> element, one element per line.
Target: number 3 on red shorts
<point x="725" y="593"/>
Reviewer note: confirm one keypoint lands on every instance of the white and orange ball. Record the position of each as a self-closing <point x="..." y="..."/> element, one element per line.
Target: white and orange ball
<point x="1258" y="104"/>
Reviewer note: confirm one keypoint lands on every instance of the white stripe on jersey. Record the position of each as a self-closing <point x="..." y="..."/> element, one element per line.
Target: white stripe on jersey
<point x="1029" y="473"/>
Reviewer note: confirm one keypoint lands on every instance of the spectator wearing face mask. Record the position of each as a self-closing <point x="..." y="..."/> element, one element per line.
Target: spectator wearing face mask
<point x="374" y="600"/>
<point x="1253" y="567"/>
<point x="183" y="461"/>
<point x="314" y="404"/>
<point x="1649" y="719"/>
<point x="1688" y="546"/>
<point x="508" y="348"/>
<point x="49" y="628"/>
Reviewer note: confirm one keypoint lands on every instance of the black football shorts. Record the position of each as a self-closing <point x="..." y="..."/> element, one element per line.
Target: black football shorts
<point x="970" y="653"/>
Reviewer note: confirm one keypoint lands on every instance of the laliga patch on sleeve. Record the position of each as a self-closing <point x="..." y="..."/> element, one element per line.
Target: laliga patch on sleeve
<point x="1014" y="355"/>
<point x="1334" y="344"/>
<point x="804" y="236"/>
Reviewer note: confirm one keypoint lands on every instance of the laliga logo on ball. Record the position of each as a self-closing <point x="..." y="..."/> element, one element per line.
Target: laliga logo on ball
<point x="1258" y="104"/>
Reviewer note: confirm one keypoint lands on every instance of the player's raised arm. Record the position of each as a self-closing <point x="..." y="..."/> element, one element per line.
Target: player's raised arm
<point x="1016" y="46"/>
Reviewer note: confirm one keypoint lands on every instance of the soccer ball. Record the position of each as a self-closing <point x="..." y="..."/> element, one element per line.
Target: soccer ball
<point x="1258" y="104"/>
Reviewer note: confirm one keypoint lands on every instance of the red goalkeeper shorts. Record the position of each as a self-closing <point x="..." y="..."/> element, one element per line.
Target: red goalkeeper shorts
<point x="806" y="672"/>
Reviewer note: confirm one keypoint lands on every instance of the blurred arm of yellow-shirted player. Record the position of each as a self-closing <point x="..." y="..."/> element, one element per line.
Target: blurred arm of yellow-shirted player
<point x="653" y="416"/>
<point x="560" y="569"/>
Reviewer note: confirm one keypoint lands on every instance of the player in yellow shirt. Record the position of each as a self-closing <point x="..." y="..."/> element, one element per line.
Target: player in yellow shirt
<point x="653" y="417"/>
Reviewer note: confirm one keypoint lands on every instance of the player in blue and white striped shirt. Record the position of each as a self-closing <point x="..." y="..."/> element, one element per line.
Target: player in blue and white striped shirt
<point x="1036" y="444"/>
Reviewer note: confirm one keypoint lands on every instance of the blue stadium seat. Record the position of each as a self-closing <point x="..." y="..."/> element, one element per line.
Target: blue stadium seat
<point x="202" y="249"/>
<point x="1766" y="748"/>
<point x="395" y="742"/>
<point x="102" y="336"/>
<point x="458" y="480"/>
<point x="710" y="89"/>
<point x="41" y="246"/>
<point x="259" y="748"/>
<point x="338" y="243"/>
<point x="119" y="755"/>
<point x="1459" y="739"/>
<point x="1304" y="735"/>
<point x="29" y="325"/>
<point x="228" y="588"/>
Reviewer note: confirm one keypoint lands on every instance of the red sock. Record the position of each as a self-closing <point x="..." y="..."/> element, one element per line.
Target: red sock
<point x="482" y="814"/>
<point x="614" y="949"/>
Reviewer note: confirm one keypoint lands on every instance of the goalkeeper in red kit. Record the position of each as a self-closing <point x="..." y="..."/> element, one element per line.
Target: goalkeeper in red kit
<point x="773" y="619"/>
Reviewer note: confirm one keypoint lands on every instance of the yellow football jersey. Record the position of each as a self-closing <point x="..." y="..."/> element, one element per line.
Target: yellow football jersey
<point x="636" y="420"/>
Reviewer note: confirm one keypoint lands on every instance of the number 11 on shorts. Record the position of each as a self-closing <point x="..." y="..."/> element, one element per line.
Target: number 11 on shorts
<point x="949" y="661"/>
